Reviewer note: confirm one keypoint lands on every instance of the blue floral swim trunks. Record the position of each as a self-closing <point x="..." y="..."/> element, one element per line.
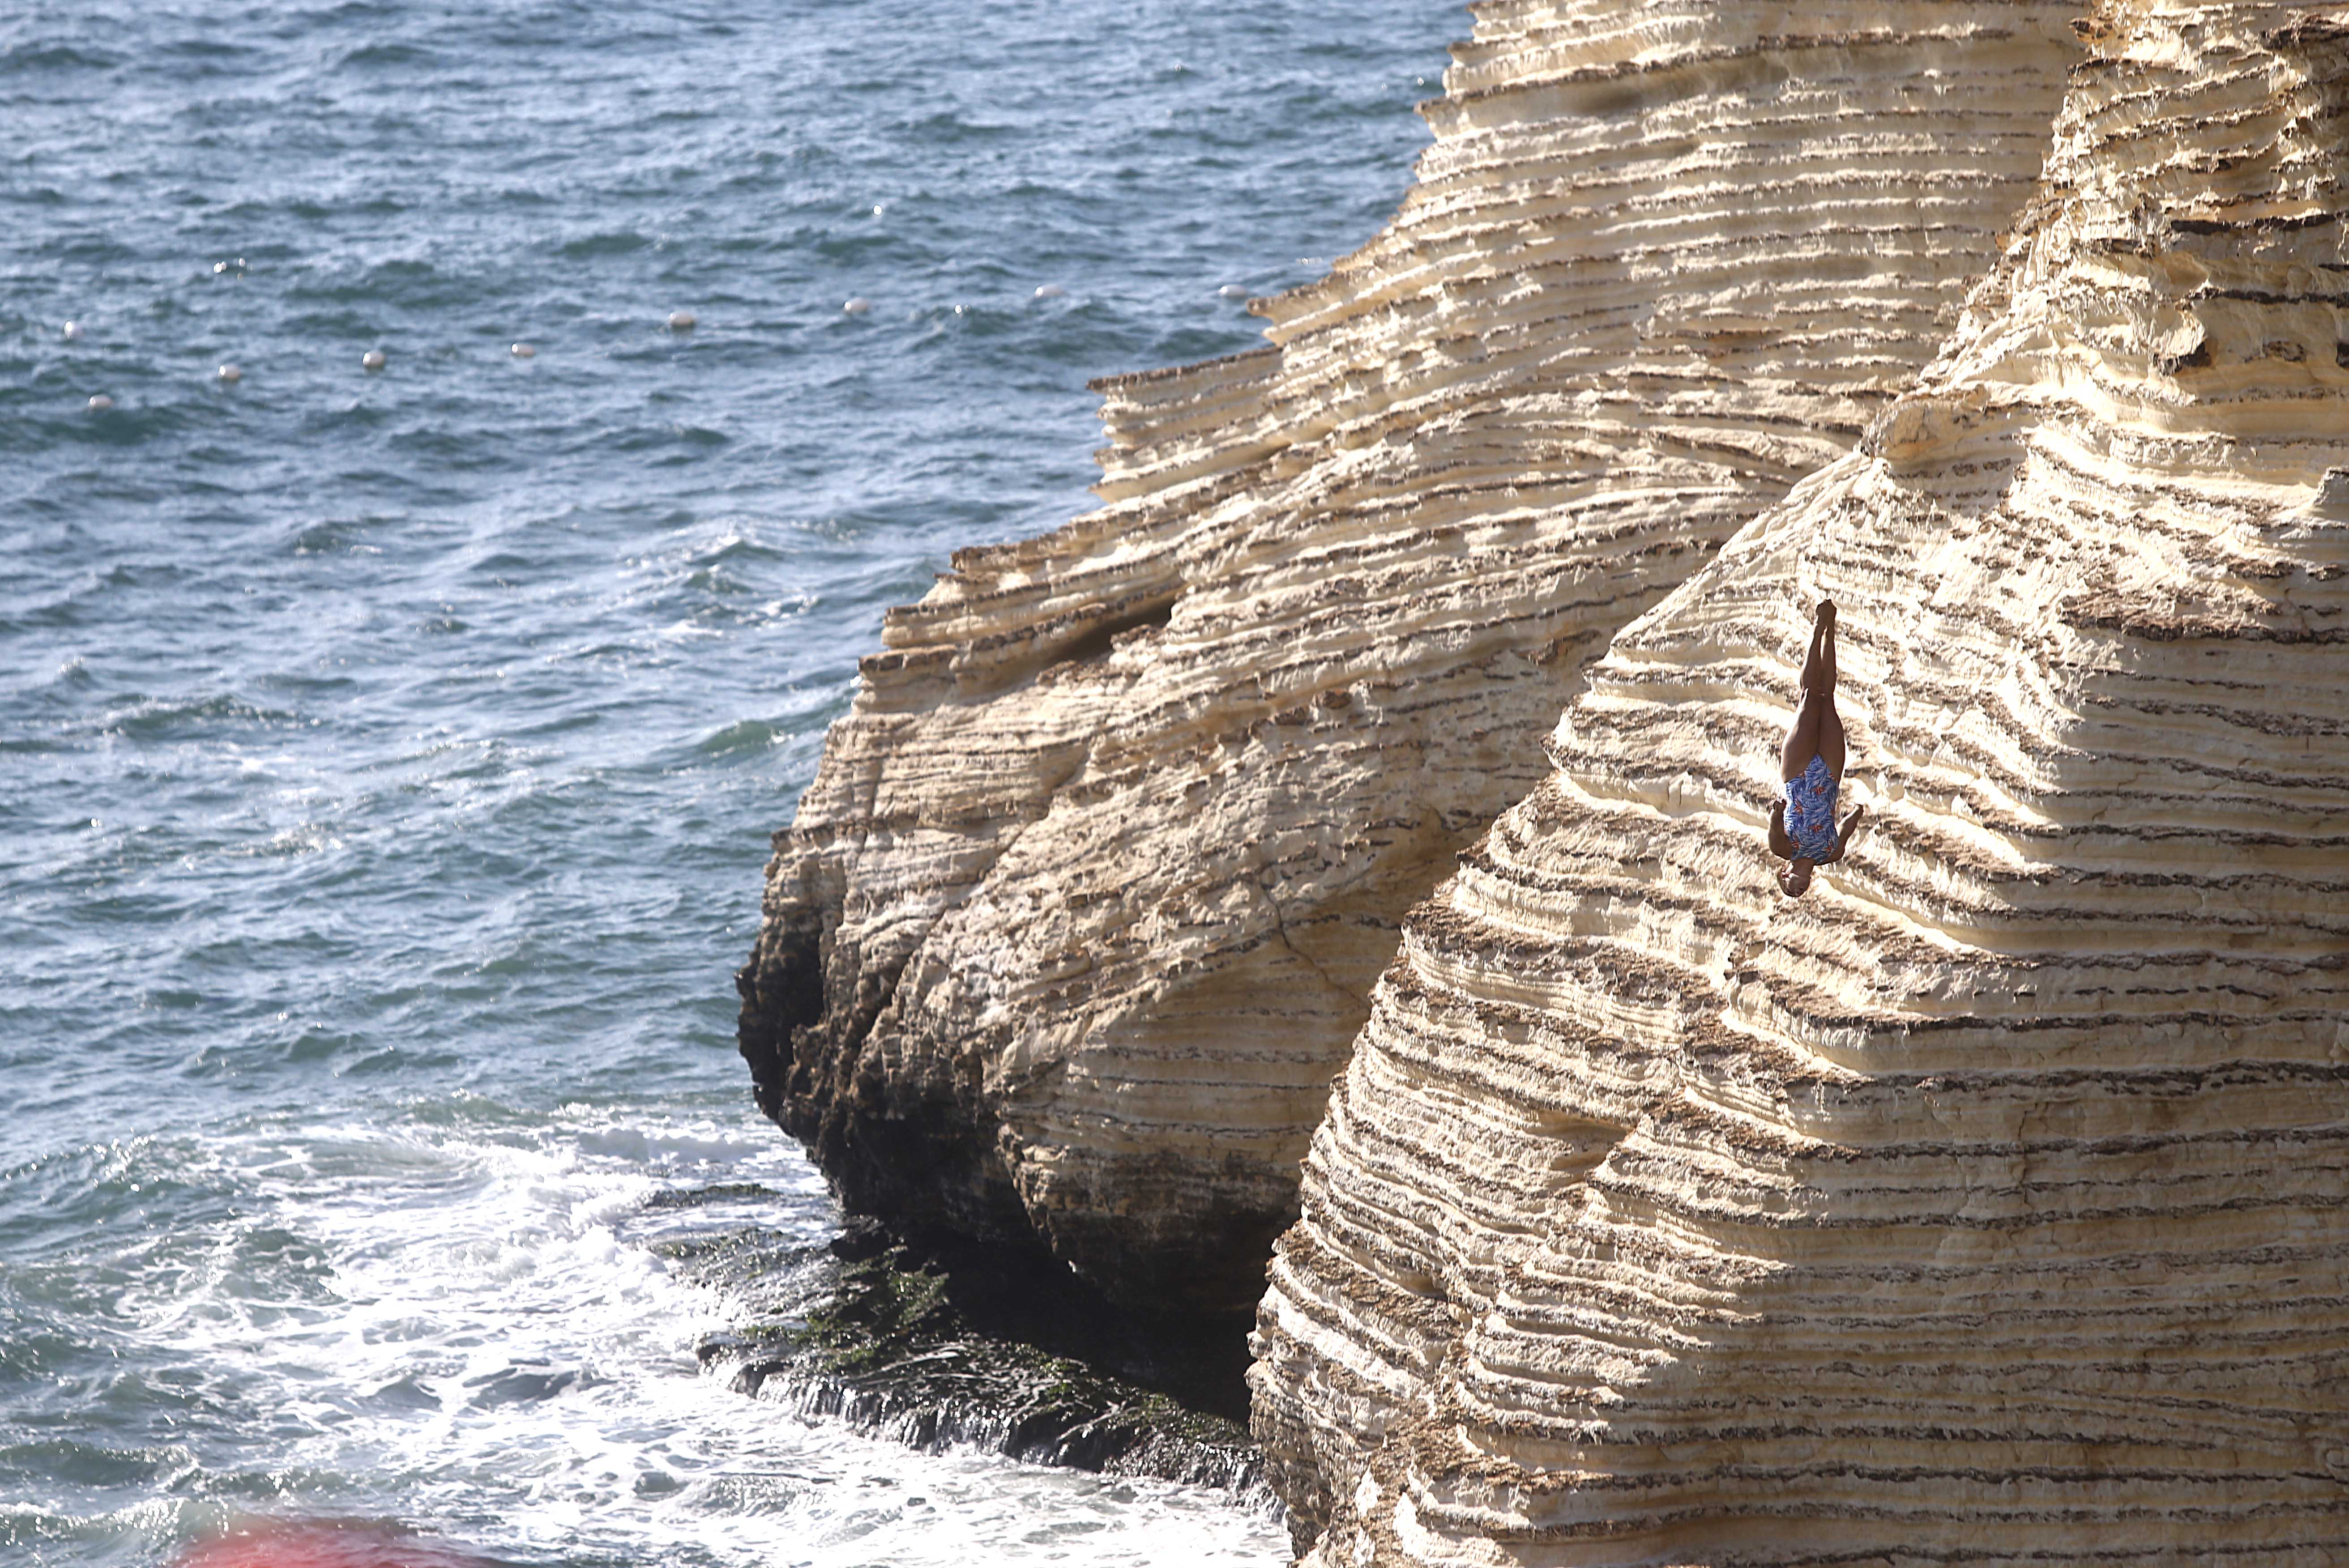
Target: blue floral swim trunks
<point x="1810" y="812"/>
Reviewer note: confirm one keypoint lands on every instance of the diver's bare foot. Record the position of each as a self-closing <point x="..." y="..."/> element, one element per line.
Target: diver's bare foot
<point x="1827" y="613"/>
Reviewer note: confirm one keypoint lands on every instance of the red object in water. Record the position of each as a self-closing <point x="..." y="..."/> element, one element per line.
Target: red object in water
<point x="317" y="1544"/>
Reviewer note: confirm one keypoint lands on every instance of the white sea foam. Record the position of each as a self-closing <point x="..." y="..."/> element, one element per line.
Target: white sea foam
<point x="463" y="1323"/>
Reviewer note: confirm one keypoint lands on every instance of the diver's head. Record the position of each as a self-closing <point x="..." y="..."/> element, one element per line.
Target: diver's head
<point x="1795" y="879"/>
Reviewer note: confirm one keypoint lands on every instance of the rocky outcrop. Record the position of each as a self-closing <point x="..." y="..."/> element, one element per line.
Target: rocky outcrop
<point x="1081" y="913"/>
<point x="1986" y="1206"/>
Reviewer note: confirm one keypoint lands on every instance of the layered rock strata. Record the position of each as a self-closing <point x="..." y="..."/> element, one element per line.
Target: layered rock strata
<point x="1081" y="913"/>
<point x="1985" y="1205"/>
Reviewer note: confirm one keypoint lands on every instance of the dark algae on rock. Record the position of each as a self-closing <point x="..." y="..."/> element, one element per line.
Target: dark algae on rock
<point x="964" y="1354"/>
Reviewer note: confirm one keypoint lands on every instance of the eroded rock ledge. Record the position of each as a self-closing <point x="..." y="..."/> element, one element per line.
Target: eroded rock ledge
<point x="1986" y="1206"/>
<point x="938" y="1355"/>
<point x="1082" y="912"/>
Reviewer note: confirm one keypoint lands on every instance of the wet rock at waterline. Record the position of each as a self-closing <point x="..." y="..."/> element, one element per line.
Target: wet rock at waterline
<point x="905" y="1345"/>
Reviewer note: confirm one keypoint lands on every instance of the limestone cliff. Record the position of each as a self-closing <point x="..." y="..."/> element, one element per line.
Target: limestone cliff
<point x="1081" y="913"/>
<point x="1985" y="1205"/>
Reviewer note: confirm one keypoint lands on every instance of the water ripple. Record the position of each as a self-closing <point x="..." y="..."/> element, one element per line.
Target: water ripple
<point x="390" y="756"/>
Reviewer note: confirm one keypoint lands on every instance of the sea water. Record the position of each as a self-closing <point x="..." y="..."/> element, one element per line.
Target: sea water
<point x="387" y="759"/>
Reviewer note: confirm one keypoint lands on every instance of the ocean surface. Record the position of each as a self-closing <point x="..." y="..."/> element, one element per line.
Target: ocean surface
<point x="387" y="760"/>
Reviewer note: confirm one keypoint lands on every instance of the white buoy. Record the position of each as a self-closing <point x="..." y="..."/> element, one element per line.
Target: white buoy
<point x="522" y="351"/>
<point x="680" y="321"/>
<point x="1050" y="291"/>
<point x="371" y="360"/>
<point x="100" y="403"/>
<point x="73" y="332"/>
<point x="857" y="306"/>
<point x="1233" y="291"/>
<point x="232" y="373"/>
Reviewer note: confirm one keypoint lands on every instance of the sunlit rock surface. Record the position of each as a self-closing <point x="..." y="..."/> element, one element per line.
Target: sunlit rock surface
<point x="1986" y="1206"/>
<point x="1083" y="909"/>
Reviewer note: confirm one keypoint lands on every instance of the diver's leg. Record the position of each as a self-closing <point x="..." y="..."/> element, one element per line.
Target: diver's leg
<point x="1819" y="664"/>
<point x="1823" y="682"/>
<point x="1803" y="740"/>
<point x="1831" y="748"/>
<point x="1816" y="716"/>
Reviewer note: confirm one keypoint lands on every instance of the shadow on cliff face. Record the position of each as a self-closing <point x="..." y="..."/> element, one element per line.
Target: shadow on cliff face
<point x="1019" y="1298"/>
<point x="941" y="1338"/>
<point x="782" y="990"/>
<point x="909" y="1149"/>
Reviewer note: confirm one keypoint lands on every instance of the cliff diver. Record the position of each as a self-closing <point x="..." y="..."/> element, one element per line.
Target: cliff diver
<point x="1803" y="829"/>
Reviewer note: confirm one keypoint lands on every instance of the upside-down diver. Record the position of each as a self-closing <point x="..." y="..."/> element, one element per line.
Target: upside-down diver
<point x="1802" y="827"/>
